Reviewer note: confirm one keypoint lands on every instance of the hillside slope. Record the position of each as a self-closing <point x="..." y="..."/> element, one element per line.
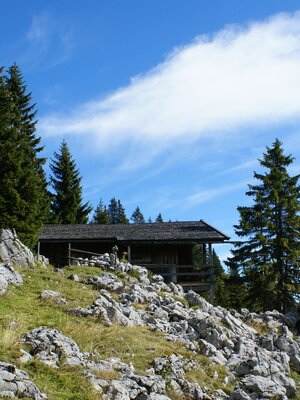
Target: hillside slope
<point x="108" y="330"/>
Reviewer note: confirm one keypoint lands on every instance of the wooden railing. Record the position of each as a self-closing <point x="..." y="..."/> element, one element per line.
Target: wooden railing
<point x="199" y="278"/>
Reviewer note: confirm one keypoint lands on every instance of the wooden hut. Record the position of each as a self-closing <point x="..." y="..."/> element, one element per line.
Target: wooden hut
<point x="166" y="248"/>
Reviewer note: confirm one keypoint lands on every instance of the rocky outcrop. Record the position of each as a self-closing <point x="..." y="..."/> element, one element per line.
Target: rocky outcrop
<point x="260" y="364"/>
<point x="257" y="364"/>
<point x="13" y="251"/>
<point x="53" y="348"/>
<point x="8" y="275"/>
<point x="15" y="383"/>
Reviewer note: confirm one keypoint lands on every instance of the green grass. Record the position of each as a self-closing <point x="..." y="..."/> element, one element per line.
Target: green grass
<point x="296" y="376"/>
<point x="65" y="383"/>
<point x="261" y="327"/>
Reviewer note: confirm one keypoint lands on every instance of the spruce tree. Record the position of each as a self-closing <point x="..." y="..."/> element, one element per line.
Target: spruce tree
<point x="113" y="211"/>
<point x="219" y="281"/>
<point x="137" y="216"/>
<point x="116" y="212"/>
<point x="159" y="218"/>
<point x="24" y="201"/>
<point x="122" y="219"/>
<point x="269" y="257"/>
<point x="101" y="214"/>
<point x="66" y="205"/>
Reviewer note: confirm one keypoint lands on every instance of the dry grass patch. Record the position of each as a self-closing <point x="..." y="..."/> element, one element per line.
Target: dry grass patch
<point x="262" y="328"/>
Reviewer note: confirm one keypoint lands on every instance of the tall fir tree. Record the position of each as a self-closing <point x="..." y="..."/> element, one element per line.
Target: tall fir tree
<point x="101" y="214"/>
<point x="113" y="211"/>
<point x="66" y="205"/>
<point x="24" y="201"/>
<point x="116" y="212"/>
<point x="122" y="219"/>
<point x="137" y="216"/>
<point x="269" y="257"/>
<point x="159" y="219"/>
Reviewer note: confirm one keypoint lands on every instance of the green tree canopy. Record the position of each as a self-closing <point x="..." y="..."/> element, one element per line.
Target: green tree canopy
<point x="268" y="259"/>
<point x="101" y="214"/>
<point x="159" y="218"/>
<point x="66" y="205"/>
<point x="137" y="216"/>
<point x="24" y="200"/>
<point x="116" y="212"/>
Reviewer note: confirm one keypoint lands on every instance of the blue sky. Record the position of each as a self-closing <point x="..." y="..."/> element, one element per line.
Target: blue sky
<point x="164" y="104"/>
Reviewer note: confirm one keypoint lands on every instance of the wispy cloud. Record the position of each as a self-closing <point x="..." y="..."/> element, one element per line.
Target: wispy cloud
<point x="39" y="29"/>
<point x="241" y="76"/>
<point x="48" y="42"/>
<point x="203" y="196"/>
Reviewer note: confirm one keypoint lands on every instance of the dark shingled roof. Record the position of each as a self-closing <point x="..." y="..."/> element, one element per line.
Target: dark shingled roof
<point x="160" y="232"/>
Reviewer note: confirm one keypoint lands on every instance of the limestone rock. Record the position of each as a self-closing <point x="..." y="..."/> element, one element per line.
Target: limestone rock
<point x="15" y="383"/>
<point x="263" y="388"/>
<point x="53" y="295"/>
<point x="13" y="251"/>
<point x="8" y="275"/>
<point x="52" y="348"/>
<point x="3" y="284"/>
<point x="106" y="281"/>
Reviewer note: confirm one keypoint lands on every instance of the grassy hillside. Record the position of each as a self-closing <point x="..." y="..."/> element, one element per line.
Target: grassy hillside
<point x="21" y="310"/>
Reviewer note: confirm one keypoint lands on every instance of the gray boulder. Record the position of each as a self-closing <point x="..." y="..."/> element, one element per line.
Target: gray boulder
<point x="263" y="388"/>
<point x="106" y="281"/>
<point x="13" y="251"/>
<point x="52" y="295"/>
<point x="8" y="275"/>
<point x="52" y="347"/>
<point x="15" y="383"/>
<point x="3" y="285"/>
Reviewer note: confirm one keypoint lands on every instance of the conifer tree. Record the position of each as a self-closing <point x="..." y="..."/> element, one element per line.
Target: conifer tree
<point x="269" y="257"/>
<point x="116" y="212"/>
<point x="101" y="214"/>
<point x="159" y="218"/>
<point x="219" y="281"/>
<point x="66" y="205"/>
<point x="137" y="216"/>
<point x="113" y="211"/>
<point x="24" y="200"/>
<point x="122" y="219"/>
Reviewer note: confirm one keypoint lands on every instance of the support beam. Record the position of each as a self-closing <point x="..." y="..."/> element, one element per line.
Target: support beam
<point x="38" y="250"/>
<point x="69" y="254"/>
<point x="212" y="288"/>
<point x="129" y="254"/>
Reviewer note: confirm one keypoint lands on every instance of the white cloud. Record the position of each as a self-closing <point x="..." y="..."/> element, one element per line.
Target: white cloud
<point x="49" y="42"/>
<point x="38" y="31"/>
<point x="203" y="196"/>
<point x="241" y="76"/>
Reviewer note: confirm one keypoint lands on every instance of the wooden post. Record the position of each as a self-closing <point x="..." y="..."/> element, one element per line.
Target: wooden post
<point x="204" y="256"/>
<point x="129" y="254"/>
<point x="38" y="250"/>
<point x="211" y="267"/>
<point x="69" y="254"/>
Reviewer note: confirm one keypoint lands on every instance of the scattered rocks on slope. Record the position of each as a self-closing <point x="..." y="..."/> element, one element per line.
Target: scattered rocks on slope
<point x="53" y="348"/>
<point x="15" y="383"/>
<point x="225" y="337"/>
